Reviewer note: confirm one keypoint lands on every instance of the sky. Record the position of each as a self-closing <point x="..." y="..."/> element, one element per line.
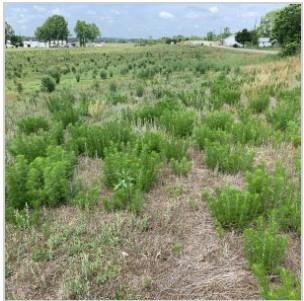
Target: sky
<point x="141" y="20"/>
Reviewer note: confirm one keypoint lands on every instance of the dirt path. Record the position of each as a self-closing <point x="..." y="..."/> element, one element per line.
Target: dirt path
<point x="257" y="51"/>
<point x="209" y="267"/>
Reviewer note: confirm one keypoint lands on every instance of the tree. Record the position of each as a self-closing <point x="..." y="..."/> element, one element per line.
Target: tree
<point x="210" y="36"/>
<point x="55" y="28"/>
<point x="86" y="32"/>
<point x="243" y="36"/>
<point x="226" y="33"/>
<point x="17" y="41"/>
<point x="267" y="23"/>
<point x="9" y="32"/>
<point x="287" y="28"/>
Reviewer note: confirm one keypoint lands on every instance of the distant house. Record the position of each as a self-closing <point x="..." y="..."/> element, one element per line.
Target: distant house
<point x="264" y="42"/>
<point x="201" y="43"/>
<point x="231" y="42"/>
<point x="9" y="44"/>
<point x="34" y="44"/>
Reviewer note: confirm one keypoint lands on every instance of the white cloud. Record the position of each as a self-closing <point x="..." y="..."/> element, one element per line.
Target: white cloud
<point x="115" y="12"/>
<point x="192" y="15"/>
<point x="165" y="15"/>
<point x="90" y="12"/>
<point x="249" y="14"/>
<point x="39" y="8"/>
<point x="213" y="9"/>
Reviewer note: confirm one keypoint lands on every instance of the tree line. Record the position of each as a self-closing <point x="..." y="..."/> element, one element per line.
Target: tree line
<point x="55" y="29"/>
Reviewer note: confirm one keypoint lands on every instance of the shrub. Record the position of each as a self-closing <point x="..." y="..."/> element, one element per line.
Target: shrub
<point x="113" y="87"/>
<point x="233" y="208"/>
<point x="77" y="77"/>
<point x="139" y="91"/>
<point x="264" y="245"/>
<point x="46" y="180"/>
<point x="174" y="149"/>
<point x="286" y="110"/>
<point x="15" y="181"/>
<point x="258" y="103"/>
<point x="92" y="140"/>
<point x="181" y="167"/>
<point x="228" y="158"/>
<point x="55" y="74"/>
<point x="116" y="97"/>
<point x="31" y="146"/>
<point x="63" y="109"/>
<point x="289" y="287"/>
<point x="204" y="135"/>
<point x="273" y="190"/>
<point x="179" y="123"/>
<point x="125" y="198"/>
<point x="48" y="84"/>
<point x="250" y="130"/>
<point x="128" y="166"/>
<point x="103" y="74"/>
<point x="30" y="124"/>
<point x="219" y="120"/>
<point x="224" y="91"/>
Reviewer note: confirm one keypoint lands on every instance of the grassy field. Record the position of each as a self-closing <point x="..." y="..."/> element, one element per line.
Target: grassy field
<point x="162" y="172"/>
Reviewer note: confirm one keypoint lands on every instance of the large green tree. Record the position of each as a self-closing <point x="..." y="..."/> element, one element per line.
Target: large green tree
<point x="55" y="28"/>
<point x="17" y="41"/>
<point x="287" y="28"/>
<point x="86" y="32"/>
<point x="243" y="36"/>
<point x="267" y="23"/>
<point x="9" y="32"/>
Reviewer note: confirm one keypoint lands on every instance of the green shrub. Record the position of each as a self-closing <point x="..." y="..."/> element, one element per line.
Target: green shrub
<point x="228" y="158"/>
<point x="139" y="91"/>
<point x="113" y="87"/>
<point x="204" y="135"/>
<point x="223" y="91"/>
<point x="287" y="109"/>
<point x="219" y="120"/>
<point x="179" y="123"/>
<point x="15" y="183"/>
<point x="44" y="181"/>
<point x="174" y="149"/>
<point x="263" y="245"/>
<point x="259" y="103"/>
<point x="63" y="109"/>
<point x="55" y="74"/>
<point x="103" y="74"/>
<point x="233" y="208"/>
<point x="116" y="97"/>
<point x="289" y="287"/>
<point x="30" y="124"/>
<point x="250" y="130"/>
<point x="30" y="146"/>
<point x="48" y="84"/>
<point x="92" y="140"/>
<point x="274" y="191"/>
<point x="128" y="166"/>
<point x="77" y="77"/>
<point x="181" y="167"/>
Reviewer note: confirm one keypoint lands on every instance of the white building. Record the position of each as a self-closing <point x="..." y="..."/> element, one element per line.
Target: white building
<point x="35" y="44"/>
<point x="9" y="44"/>
<point x="231" y="41"/>
<point x="264" y="42"/>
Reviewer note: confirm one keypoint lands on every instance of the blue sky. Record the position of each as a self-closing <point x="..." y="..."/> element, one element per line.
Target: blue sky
<point x="141" y="20"/>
